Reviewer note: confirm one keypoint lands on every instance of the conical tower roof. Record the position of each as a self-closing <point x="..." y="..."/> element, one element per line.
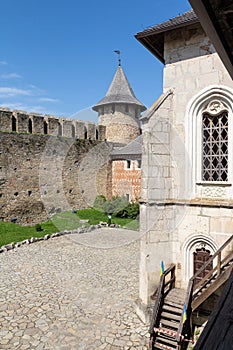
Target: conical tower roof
<point x="119" y="91"/>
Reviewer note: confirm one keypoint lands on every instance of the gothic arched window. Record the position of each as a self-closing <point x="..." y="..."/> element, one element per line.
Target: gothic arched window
<point x="215" y="143"/>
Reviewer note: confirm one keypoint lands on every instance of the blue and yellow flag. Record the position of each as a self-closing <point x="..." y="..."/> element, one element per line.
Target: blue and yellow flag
<point x="185" y="315"/>
<point x="162" y="268"/>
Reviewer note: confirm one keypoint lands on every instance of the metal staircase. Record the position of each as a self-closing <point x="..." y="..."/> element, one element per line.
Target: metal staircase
<point x="171" y="323"/>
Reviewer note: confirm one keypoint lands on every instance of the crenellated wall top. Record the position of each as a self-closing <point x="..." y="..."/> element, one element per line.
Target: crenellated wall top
<point x="36" y="123"/>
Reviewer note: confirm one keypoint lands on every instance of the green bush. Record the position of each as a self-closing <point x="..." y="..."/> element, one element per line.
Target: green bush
<point x="94" y="216"/>
<point x="99" y="202"/>
<point x="130" y="211"/>
<point x="115" y="205"/>
<point x="38" y="227"/>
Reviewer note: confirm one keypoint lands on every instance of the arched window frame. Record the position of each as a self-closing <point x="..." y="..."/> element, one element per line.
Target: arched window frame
<point x="195" y="185"/>
<point x="215" y="143"/>
<point x="190" y="245"/>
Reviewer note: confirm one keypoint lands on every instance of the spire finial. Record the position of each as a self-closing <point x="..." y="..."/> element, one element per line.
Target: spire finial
<point x="119" y="56"/>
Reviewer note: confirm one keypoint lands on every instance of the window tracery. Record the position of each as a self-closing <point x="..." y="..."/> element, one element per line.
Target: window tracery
<point x="215" y="142"/>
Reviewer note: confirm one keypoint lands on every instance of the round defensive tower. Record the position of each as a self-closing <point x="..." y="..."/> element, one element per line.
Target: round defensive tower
<point x="119" y="111"/>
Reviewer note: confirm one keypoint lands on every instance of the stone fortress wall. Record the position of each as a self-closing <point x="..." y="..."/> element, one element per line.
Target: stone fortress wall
<point x="42" y="165"/>
<point x="33" y="123"/>
<point x="50" y="164"/>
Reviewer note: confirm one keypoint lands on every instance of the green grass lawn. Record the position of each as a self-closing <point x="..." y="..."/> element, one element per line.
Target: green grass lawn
<point x="10" y="232"/>
<point x="95" y="216"/>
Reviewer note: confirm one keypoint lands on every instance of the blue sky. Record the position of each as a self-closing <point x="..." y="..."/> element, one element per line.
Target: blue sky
<point x="57" y="56"/>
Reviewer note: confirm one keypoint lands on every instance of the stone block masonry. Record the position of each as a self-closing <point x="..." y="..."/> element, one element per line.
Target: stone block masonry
<point x="21" y="121"/>
<point x="61" y="276"/>
<point x="39" y="175"/>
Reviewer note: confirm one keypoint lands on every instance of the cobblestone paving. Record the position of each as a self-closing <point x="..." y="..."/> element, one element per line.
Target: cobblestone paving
<point x="72" y="292"/>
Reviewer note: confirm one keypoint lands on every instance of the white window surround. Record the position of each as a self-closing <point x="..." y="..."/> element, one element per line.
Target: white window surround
<point x="193" y="128"/>
<point x="189" y="247"/>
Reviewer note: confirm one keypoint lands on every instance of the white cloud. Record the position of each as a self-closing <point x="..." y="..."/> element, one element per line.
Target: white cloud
<point x="11" y="76"/>
<point x="12" y="105"/>
<point x="24" y="107"/>
<point x="28" y="107"/>
<point x="36" y="90"/>
<point x="47" y="99"/>
<point x="11" y="92"/>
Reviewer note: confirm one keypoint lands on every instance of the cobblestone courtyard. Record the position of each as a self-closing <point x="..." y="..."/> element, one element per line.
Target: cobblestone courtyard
<point x="72" y="292"/>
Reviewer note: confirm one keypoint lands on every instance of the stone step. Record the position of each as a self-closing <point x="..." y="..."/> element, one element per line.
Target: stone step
<point x="176" y="296"/>
<point x="166" y="340"/>
<point x="172" y="304"/>
<point x="169" y="324"/>
<point x="169" y="330"/>
<point x="157" y="345"/>
<point x="177" y="292"/>
<point x="171" y="316"/>
<point x="172" y="309"/>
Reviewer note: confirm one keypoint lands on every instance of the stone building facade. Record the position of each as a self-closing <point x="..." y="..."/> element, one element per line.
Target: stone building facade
<point x="187" y="196"/>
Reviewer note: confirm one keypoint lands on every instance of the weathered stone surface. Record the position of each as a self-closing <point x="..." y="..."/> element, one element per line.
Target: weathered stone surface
<point x="80" y="297"/>
<point x="39" y="175"/>
<point x="8" y="246"/>
<point x="180" y="211"/>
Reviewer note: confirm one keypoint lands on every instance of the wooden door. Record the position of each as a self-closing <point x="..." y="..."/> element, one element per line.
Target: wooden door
<point x="200" y="257"/>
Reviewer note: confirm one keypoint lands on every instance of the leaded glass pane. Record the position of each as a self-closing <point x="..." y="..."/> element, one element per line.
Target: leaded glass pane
<point x="215" y="147"/>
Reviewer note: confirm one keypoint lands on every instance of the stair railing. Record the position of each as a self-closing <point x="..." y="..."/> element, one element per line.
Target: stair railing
<point x="217" y="265"/>
<point x="185" y="326"/>
<point x="167" y="282"/>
